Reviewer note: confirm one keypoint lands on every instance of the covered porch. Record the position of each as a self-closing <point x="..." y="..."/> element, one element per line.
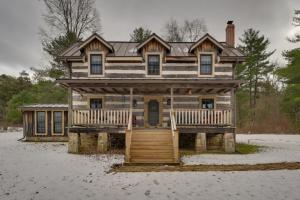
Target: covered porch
<point x="119" y="117"/>
<point x="189" y="120"/>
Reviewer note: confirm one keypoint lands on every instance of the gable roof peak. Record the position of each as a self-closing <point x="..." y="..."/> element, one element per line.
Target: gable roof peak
<point x="99" y="38"/>
<point x="156" y="37"/>
<point x="203" y="38"/>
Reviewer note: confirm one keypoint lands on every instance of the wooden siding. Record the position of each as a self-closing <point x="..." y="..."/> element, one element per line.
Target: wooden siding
<point x="122" y="101"/>
<point x="138" y="70"/>
<point x="29" y="123"/>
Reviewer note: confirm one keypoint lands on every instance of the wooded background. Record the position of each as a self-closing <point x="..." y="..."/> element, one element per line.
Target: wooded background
<point x="269" y="101"/>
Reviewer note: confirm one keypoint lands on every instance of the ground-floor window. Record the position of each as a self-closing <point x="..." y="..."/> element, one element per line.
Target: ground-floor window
<point x="207" y="103"/>
<point x="57" y="122"/>
<point x="41" y="122"/>
<point x="96" y="103"/>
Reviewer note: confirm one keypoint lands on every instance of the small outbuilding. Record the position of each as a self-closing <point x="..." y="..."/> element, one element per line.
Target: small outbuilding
<point x="45" y="122"/>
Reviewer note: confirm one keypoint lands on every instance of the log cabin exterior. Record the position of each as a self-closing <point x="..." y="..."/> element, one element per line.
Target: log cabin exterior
<point x="154" y="92"/>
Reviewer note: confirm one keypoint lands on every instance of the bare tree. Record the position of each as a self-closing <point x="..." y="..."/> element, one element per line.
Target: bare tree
<point x="173" y="31"/>
<point x="190" y="31"/>
<point x="71" y="16"/>
<point x="193" y="29"/>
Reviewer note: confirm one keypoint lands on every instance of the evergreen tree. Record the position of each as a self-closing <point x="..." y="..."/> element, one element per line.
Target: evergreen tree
<point x="291" y="77"/>
<point x="140" y="34"/>
<point x="54" y="48"/>
<point x="257" y="66"/>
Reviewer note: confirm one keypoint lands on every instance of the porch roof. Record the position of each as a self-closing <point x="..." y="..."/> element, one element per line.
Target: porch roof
<point x="151" y="86"/>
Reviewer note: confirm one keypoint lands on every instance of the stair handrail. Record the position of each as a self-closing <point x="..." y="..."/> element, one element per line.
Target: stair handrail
<point x="128" y="134"/>
<point x="174" y="136"/>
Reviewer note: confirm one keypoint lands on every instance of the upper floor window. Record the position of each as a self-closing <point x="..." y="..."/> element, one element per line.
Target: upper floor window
<point x="153" y="64"/>
<point x="95" y="103"/>
<point x="207" y="103"/>
<point x="206" y="64"/>
<point x="96" y="64"/>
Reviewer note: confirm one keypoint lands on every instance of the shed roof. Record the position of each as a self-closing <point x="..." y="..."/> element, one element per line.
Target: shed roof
<point x="32" y="107"/>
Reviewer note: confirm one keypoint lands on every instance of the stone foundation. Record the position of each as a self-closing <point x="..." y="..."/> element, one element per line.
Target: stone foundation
<point x="229" y="143"/>
<point x="87" y="142"/>
<point x="73" y="146"/>
<point x="214" y="141"/>
<point x="102" y="143"/>
<point x="200" y="142"/>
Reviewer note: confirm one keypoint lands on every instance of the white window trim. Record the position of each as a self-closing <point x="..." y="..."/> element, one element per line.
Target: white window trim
<point x="62" y="124"/>
<point x="46" y="123"/>
<point x="213" y="64"/>
<point x="160" y="63"/>
<point x="89" y="63"/>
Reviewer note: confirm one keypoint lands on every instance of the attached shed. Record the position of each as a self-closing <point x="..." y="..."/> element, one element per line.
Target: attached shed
<point x="45" y="122"/>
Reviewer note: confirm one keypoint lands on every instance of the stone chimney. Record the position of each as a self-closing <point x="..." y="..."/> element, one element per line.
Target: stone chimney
<point x="230" y="33"/>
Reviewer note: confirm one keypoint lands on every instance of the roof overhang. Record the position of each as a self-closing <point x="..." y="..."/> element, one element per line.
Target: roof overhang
<point x="202" y="39"/>
<point x="156" y="37"/>
<point x="150" y="86"/>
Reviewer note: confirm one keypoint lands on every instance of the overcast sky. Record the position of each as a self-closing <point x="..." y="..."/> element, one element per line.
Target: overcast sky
<point x="20" y="20"/>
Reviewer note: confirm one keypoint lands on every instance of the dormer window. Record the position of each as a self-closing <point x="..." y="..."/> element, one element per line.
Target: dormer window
<point x="96" y="64"/>
<point x="205" y="64"/>
<point x="153" y="63"/>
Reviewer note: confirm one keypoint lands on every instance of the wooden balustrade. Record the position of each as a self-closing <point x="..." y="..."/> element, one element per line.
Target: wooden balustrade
<point x="100" y="117"/>
<point x="202" y="117"/>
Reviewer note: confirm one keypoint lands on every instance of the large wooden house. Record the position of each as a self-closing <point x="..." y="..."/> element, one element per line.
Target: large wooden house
<point x="155" y="92"/>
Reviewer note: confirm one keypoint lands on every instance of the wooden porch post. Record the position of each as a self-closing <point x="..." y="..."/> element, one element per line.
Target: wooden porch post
<point x="172" y="99"/>
<point x="131" y="99"/>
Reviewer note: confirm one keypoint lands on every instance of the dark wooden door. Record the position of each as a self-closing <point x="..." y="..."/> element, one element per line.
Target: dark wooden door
<point x="153" y="112"/>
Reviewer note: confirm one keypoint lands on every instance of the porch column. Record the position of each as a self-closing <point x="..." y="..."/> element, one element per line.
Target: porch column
<point x="70" y="107"/>
<point x="131" y="99"/>
<point x="130" y="106"/>
<point x="172" y="99"/>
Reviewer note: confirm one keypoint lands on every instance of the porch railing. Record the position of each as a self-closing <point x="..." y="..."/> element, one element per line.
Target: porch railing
<point x="202" y="117"/>
<point x="101" y="117"/>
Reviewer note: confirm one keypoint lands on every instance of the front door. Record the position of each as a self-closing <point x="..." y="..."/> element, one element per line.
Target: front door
<point x="153" y="113"/>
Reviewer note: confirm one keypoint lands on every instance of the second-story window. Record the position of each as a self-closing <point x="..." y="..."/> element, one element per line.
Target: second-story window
<point x="153" y="64"/>
<point x="206" y="64"/>
<point x="96" y="67"/>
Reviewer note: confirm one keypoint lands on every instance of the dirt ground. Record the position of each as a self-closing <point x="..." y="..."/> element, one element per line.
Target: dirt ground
<point x="206" y="168"/>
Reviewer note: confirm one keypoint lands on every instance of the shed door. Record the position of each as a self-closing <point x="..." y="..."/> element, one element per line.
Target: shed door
<point x="153" y="113"/>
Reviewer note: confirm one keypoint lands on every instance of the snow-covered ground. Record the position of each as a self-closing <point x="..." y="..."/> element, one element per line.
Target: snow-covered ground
<point x="45" y="171"/>
<point x="277" y="148"/>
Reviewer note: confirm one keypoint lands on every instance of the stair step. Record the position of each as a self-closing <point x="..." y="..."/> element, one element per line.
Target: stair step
<point x="151" y="151"/>
<point x="140" y="160"/>
<point x="151" y="147"/>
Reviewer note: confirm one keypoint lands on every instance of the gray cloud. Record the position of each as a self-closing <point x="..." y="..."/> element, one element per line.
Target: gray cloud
<point x="20" y="20"/>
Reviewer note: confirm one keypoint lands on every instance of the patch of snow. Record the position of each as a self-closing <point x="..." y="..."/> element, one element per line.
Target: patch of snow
<point x="277" y="148"/>
<point x="47" y="171"/>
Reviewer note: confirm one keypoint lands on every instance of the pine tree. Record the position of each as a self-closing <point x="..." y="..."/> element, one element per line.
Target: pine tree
<point x="291" y="77"/>
<point x="140" y="34"/>
<point x="256" y="67"/>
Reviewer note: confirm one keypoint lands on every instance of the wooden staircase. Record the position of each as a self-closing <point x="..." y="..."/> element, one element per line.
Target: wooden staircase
<point x="152" y="146"/>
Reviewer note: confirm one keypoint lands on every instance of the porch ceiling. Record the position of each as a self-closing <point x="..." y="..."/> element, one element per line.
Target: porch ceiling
<point x="150" y="86"/>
